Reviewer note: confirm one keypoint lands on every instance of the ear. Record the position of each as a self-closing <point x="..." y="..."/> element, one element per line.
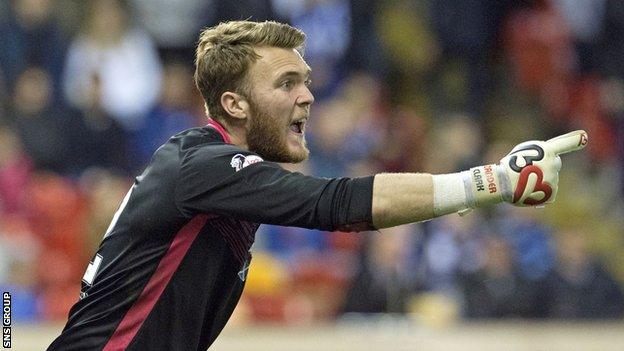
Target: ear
<point x="235" y="105"/>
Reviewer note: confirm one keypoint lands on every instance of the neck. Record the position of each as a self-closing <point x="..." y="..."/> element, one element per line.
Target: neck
<point x="233" y="133"/>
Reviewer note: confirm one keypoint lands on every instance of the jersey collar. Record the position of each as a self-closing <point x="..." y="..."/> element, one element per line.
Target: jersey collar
<point x="216" y="125"/>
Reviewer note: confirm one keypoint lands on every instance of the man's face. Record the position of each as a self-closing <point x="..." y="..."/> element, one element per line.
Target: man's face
<point x="279" y="105"/>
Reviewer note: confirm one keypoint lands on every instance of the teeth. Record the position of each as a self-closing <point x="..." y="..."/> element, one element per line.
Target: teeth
<point x="295" y="127"/>
<point x="298" y="126"/>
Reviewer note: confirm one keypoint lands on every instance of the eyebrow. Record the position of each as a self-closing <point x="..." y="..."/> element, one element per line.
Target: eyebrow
<point x="307" y="74"/>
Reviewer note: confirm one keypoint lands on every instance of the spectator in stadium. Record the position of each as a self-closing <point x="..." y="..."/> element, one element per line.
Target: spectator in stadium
<point x="177" y="252"/>
<point x="102" y="141"/>
<point x="172" y="112"/>
<point x="343" y="144"/>
<point x="386" y="278"/>
<point x="174" y="24"/>
<point x="496" y="290"/>
<point x="30" y="35"/>
<point x="41" y="125"/>
<point x="531" y="242"/>
<point x="124" y="58"/>
<point x="611" y="46"/>
<point x="467" y="32"/>
<point x="15" y="172"/>
<point x="453" y="246"/>
<point x="329" y="25"/>
<point x="585" y="20"/>
<point x="581" y="286"/>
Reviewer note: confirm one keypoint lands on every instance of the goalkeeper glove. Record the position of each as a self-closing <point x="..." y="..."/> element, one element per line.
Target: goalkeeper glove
<point x="527" y="176"/>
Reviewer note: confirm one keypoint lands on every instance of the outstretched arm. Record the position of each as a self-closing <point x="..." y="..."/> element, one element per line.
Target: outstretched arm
<point x="400" y="198"/>
<point x="527" y="176"/>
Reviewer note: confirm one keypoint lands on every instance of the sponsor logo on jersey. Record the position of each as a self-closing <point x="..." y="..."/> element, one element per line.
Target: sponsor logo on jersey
<point x="240" y="161"/>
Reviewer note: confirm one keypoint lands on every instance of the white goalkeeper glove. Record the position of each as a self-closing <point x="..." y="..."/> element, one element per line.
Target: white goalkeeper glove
<point x="527" y="176"/>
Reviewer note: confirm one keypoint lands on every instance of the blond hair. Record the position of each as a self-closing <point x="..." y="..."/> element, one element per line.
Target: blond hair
<point x="225" y="53"/>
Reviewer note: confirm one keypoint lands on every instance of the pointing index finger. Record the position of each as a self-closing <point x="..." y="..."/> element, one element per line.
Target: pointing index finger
<point x="569" y="142"/>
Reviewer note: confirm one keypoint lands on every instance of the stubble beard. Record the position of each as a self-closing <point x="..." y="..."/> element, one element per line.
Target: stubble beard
<point x="266" y="137"/>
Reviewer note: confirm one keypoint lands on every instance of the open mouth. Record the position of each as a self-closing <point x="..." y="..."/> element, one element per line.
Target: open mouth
<point x="298" y="126"/>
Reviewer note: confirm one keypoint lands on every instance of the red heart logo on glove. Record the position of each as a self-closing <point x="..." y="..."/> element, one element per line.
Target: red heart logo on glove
<point x="539" y="186"/>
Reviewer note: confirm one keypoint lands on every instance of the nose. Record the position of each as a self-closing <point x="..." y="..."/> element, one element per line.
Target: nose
<point x="305" y="98"/>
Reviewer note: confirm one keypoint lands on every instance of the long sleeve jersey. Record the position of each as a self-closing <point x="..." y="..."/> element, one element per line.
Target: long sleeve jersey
<point x="172" y="265"/>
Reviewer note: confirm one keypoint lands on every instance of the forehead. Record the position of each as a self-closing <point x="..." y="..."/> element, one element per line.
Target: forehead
<point x="274" y="62"/>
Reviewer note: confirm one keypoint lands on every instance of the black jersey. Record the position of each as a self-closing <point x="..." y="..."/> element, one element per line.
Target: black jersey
<point x="173" y="262"/>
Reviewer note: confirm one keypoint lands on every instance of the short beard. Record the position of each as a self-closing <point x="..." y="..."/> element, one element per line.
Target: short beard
<point x="266" y="138"/>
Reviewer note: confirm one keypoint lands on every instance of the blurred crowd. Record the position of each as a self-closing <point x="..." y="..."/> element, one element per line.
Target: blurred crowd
<point x="90" y="89"/>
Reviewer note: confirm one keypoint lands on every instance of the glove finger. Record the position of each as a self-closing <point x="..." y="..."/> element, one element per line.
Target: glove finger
<point x="553" y="195"/>
<point x="569" y="142"/>
<point x="552" y="199"/>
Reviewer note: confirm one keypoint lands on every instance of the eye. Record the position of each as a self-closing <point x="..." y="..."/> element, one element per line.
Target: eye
<point x="288" y="84"/>
<point x="308" y="82"/>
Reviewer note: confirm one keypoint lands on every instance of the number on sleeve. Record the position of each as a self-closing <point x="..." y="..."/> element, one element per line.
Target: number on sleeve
<point x="111" y="226"/>
<point x="92" y="269"/>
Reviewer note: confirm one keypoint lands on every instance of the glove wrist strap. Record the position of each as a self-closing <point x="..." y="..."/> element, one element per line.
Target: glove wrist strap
<point x="486" y="185"/>
<point x="461" y="192"/>
<point x="449" y="194"/>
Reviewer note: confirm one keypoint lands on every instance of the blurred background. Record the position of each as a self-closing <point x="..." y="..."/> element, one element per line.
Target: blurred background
<point x="90" y="89"/>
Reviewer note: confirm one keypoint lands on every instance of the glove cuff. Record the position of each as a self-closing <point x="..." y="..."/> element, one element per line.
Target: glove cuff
<point x="449" y="194"/>
<point x="486" y="185"/>
<point x="461" y="192"/>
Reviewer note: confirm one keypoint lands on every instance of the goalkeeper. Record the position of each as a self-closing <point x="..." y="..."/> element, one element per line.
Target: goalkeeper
<point x="172" y="265"/>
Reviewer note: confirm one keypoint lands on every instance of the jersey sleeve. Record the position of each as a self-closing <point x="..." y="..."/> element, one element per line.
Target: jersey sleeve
<point x="226" y="180"/>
